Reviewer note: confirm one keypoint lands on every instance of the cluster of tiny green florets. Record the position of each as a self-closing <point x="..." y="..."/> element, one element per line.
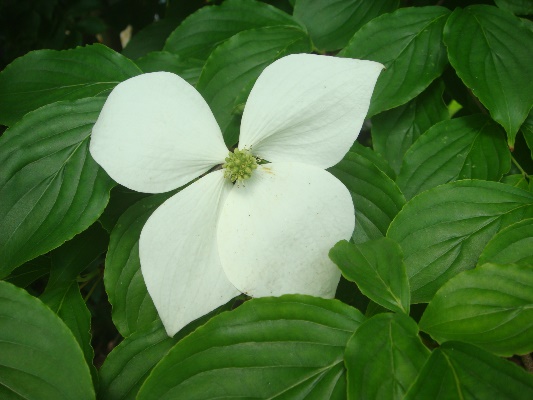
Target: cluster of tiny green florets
<point x="239" y="165"/>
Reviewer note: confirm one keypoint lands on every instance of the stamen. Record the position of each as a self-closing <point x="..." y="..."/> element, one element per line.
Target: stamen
<point x="239" y="165"/>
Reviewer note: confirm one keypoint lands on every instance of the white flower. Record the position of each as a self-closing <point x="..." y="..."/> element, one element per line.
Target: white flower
<point x="270" y="234"/>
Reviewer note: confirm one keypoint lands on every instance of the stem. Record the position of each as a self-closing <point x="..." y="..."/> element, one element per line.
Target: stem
<point x="524" y="173"/>
<point x="91" y="290"/>
<point x="88" y="277"/>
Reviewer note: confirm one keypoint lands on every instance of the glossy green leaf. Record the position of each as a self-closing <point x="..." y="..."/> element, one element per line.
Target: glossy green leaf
<point x="374" y="158"/>
<point x="66" y="301"/>
<point x="39" y="357"/>
<point x="491" y="52"/>
<point x="237" y="63"/>
<point x="526" y="23"/>
<point x="527" y="131"/>
<point x="490" y="306"/>
<point x="204" y="30"/>
<point x="513" y="244"/>
<point x="394" y="131"/>
<point x="376" y="267"/>
<point x="129" y="364"/>
<point x="376" y="197"/>
<point x="165" y="61"/>
<point x="465" y="372"/>
<point x="331" y="23"/>
<point x="409" y="43"/>
<point x="461" y="95"/>
<point x="151" y="38"/>
<point x="121" y="199"/>
<point x="45" y="76"/>
<point x="349" y="293"/>
<point x="285" y="347"/>
<point x="133" y="308"/>
<point x="62" y="293"/>
<point x="470" y="147"/>
<point x="516" y="180"/>
<point x="383" y="357"/>
<point x="73" y="257"/>
<point x="444" y="230"/>
<point x="51" y="188"/>
<point x="374" y="308"/>
<point x="518" y="7"/>
<point x="30" y="271"/>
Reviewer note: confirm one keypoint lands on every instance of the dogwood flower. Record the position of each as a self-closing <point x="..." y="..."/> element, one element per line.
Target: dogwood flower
<point x="259" y="228"/>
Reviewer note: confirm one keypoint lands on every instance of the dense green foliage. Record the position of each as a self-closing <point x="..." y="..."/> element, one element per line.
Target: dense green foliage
<point x="436" y="299"/>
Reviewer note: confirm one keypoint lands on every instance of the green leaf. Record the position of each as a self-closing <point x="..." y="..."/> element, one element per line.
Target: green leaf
<point x="66" y="301"/>
<point x="376" y="197"/>
<point x="513" y="244"/>
<point x="409" y="43"/>
<point x="290" y="346"/>
<point x="73" y="257"/>
<point x="133" y="308"/>
<point x="349" y="293"/>
<point x="470" y="147"/>
<point x="150" y="38"/>
<point x="518" y="7"/>
<point x="443" y="230"/>
<point x="394" y="131"/>
<point x="527" y="131"/>
<point x="376" y="267"/>
<point x="383" y="357"/>
<point x="51" y="188"/>
<point x="121" y="199"/>
<point x="331" y="24"/>
<point x="62" y="293"/>
<point x="204" y="30"/>
<point x="39" y="357"/>
<point x="461" y="96"/>
<point x="491" y="52"/>
<point x="516" y="180"/>
<point x="374" y="308"/>
<point x="237" y="63"/>
<point x="45" y="76"/>
<point x="30" y="271"/>
<point x="374" y="158"/>
<point x="130" y="363"/>
<point x="165" y="61"/>
<point x="464" y="372"/>
<point x="490" y="306"/>
<point x="526" y="23"/>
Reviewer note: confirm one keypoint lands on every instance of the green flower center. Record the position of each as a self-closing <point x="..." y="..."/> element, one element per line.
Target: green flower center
<point x="239" y="165"/>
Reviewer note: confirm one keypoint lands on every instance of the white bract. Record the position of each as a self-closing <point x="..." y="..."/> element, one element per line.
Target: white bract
<point x="266" y="235"/>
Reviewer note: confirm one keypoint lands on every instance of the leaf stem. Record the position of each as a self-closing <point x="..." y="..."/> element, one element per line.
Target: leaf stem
<point x="88" y="277"/>
<point x="91" y="290"/>
<point x="517" y="165"/>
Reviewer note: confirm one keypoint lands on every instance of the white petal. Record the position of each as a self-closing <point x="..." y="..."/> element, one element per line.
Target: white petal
<point x="179" y="256"/>
<point x="308" y="108"/>
<point x="156" y="133"/>
<point x="275" y="232"/>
